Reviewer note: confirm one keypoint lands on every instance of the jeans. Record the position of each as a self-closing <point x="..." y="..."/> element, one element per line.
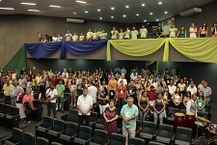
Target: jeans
<point x="53" y="107"/>
<point x="129" y="132"/>
<point x="13" y="101"/>
<point x="61" y="103"/>
<point x="81" y="119"/>
<point x="158" y="116"/>
<point x="142" y="116"/>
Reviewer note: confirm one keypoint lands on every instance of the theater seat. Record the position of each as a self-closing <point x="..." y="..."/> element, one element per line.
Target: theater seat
<point x="58" y="128"/>
<point x="155" y="143"/>
<point x="41" y="130"/>
<point x="93" y="119"/>
<point x="42" y="141"/>
<point x="71" y="116"/>
<point x="117" y="139"/>
<point x="136" y="141"/>
<point x="37" y="112"/>
<point x="28" y="139"/>
<point x="100" y="137"/>
<point x="56" y="143"/>
<point x="2" y="113"/>
<point x="165" y="134"/>
<point x="100" y="123"/>
<point x="148" y="131"/>
<point x="183" y="136"/>
<point x="70" y="133"/>
<point x="12" y="117"/>
<point x="15" y="138"/>
<point x="84" y="136"/>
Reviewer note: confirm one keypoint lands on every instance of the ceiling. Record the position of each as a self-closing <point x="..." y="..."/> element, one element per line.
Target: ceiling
<point x="136" y="12"/>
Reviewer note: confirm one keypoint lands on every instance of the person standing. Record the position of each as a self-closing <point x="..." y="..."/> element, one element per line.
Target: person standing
<point x="203" y="31"/>
<point x="68" y="36"/>
<point x="207" y="91"/>
<point x="193" y="31"/>
<point x="159" y="109"/>
<point x="84" y="104"/>
<point x="129" y="113"/>
<point x="7" y="88"/>
<point x="134" y="33"/>
<point x="143" y="103"/>
<point x="143" y="32"/>
<point x="60" y="89"/>
<point x="173" y="30"/>
<point x="122" y="94"/>
<point x="51" y="96"/>
<point x="114" y="33"/>
<point x="14" y="92"/>
<point x="191" y="105"/>
<point x="201" y="102"/>
<point x="111" y="115"/>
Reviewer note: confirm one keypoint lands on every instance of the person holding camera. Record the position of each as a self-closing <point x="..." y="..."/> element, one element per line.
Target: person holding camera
<point x="51" y="97"/>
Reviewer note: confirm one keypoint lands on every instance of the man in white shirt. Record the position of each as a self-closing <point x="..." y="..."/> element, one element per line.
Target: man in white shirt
<point x="172" y="88"/>
<point x="207" y="91"/>
<point x="122" y="78"/>
<point x="192" y="88"/>
<point x="114" y="33"/>
<point x="84" y="104"/>
<point x="92" y="91"/>
<point x="191" y="105"/>
<point x="143" y="32"/>
<point x="51" y="96"/>
<point x="68" y="36"/>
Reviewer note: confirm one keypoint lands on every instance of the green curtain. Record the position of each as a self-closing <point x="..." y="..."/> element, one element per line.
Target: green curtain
<point x="18" y="61"/>
<point x="135" y="48"/>
<point x="199" y="49"/>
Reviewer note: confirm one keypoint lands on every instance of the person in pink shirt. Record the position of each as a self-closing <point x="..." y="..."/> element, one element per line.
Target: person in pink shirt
<point x="28" y="104"/>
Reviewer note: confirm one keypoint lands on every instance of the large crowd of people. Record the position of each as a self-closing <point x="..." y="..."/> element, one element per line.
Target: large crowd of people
<point x="142" y="33"/>
<point x="142" y="95"/>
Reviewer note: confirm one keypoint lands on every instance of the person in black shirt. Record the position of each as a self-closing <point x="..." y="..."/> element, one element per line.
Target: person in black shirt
<point x="132" y="91"/>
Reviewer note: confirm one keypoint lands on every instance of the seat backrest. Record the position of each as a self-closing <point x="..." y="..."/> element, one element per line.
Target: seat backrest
<point x="148" y="127"/>
<point x="183" y="134"/>
<point x="37" y="103"/>
<point x="85" y="132"/>
<point x="47" y="122"/>
<point x="56" y="143"/>
<point x="42" y="141"/>
<point x="17" y="135"/>
<point x="101" y="119"/>
<point x="7" y="109"/>
<point x="136" y="141"/>
<point x="165" y="131"/>
<point x="14" y="111"/>
<point x="93" y="116"/>
<point x="183" y="111"/>
<point x="100" y="136"/>
<point x="28" y="139"/>
<point x="117" y="139"/>
<point x="155" y="143"/>
<point x="73" y="116"/>
<point x="172" y="111"/>
<point x="138" y="125"/>
<point x="71" y="129"/>
<point x="2" y="107"/>
<point x="58" y="125"/>
<point x="203" y="114"/>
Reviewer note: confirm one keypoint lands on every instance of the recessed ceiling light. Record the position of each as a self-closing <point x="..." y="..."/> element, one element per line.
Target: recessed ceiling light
<point x="33" y="10"/>
<point x="148" y="23"/>
<point x="112" y="8"/>
<point x="160" y="3"/>
<point x="165" y="12"/>
<point x="144" y="20"/>
<point x="112" y="17"/>
<point x="86" y="12"/>
<point x="143" y="5"/>
<point x="151" y="13"/>
<point x="27" y="3"/>
<point x="54" y="6"/>
<point x="98" y="10"/>
<point x="79" y="1"/>
<point x="137" y="15"/>
<point x="75" y="13"/>
<point x="127" y="6"/>
<point x="157" y="20"/>
<point x="100" y="18"/>
<point x="0" y="0"/>
<point x="6" y="8"/>
<point x="124" y="16"/>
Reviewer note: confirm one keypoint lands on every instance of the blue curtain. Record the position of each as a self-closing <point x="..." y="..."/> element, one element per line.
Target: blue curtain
<point x="81" y="48"/>
<point x="42" y="50"/>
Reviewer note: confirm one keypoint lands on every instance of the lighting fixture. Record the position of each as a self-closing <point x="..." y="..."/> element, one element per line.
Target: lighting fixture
<point x="81" y="2"/>
<point x="112" y="17"/>
<point x="151" y="13"/>
<point x="7" y="8"/>
<point x="86" y="12"/>
<point x="28" y="3"/>
<point x="165" y="12"/>
<point x="143" y="5"/>
<point x="160" y="3"/>
<point x="124" y="16"/>
<point x="127" y="6"/>
<point x="98" y="10"/>
<point x="33" y="10"/>
<point x="137" y="15"/>
<point x="112" y="8"/>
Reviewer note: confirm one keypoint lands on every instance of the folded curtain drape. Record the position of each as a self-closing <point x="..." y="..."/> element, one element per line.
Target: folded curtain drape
<point x="199" y="49"/>
<point x="81" y="48"/>
<point x="42" y="50"/>
<point x="135" y="48"/>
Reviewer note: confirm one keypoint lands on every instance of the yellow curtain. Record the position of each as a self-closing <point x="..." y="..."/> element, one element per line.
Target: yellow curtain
<point x="135" y="48"/>
<point x="199" y="49"/>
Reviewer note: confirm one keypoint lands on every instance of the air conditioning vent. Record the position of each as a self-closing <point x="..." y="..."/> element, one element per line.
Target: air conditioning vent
<point x="72" y="20"/>
<point x="191" y="12"/>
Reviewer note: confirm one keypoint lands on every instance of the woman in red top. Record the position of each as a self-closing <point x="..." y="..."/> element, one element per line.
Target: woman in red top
<point x="111" y="115"/>
<point x="122" y="94"/>
<point x="203" y="32"/>
<point x="28" y="104"/>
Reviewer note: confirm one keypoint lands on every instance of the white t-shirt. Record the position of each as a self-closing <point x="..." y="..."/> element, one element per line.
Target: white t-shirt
<point x="92" y="91"/>
<point x="89" y="35"/>
<point x="85" y="103"/>
<point x="124" y="80"/>
<point x="134" y="34"/>
<point x="114" y="34"/>
<point x="127" y="34"/>
<point x="181" y="86"/>
<point x="75" y="38"/>
<point x="143" y="32"/>
<point x="52" y="93"/>
<point x="68" y="36"/>
<point x="172" y="89"/>
<point x="192" y="90"/>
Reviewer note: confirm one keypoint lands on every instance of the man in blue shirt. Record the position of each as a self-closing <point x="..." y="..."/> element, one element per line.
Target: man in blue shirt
<point x="129" y="113"/>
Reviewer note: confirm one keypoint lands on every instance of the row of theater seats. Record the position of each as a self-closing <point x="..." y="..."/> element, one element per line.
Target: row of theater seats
<point x="19" y="137"/>
<point x="67" y="132"/>
<point x="9" y="115"/>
